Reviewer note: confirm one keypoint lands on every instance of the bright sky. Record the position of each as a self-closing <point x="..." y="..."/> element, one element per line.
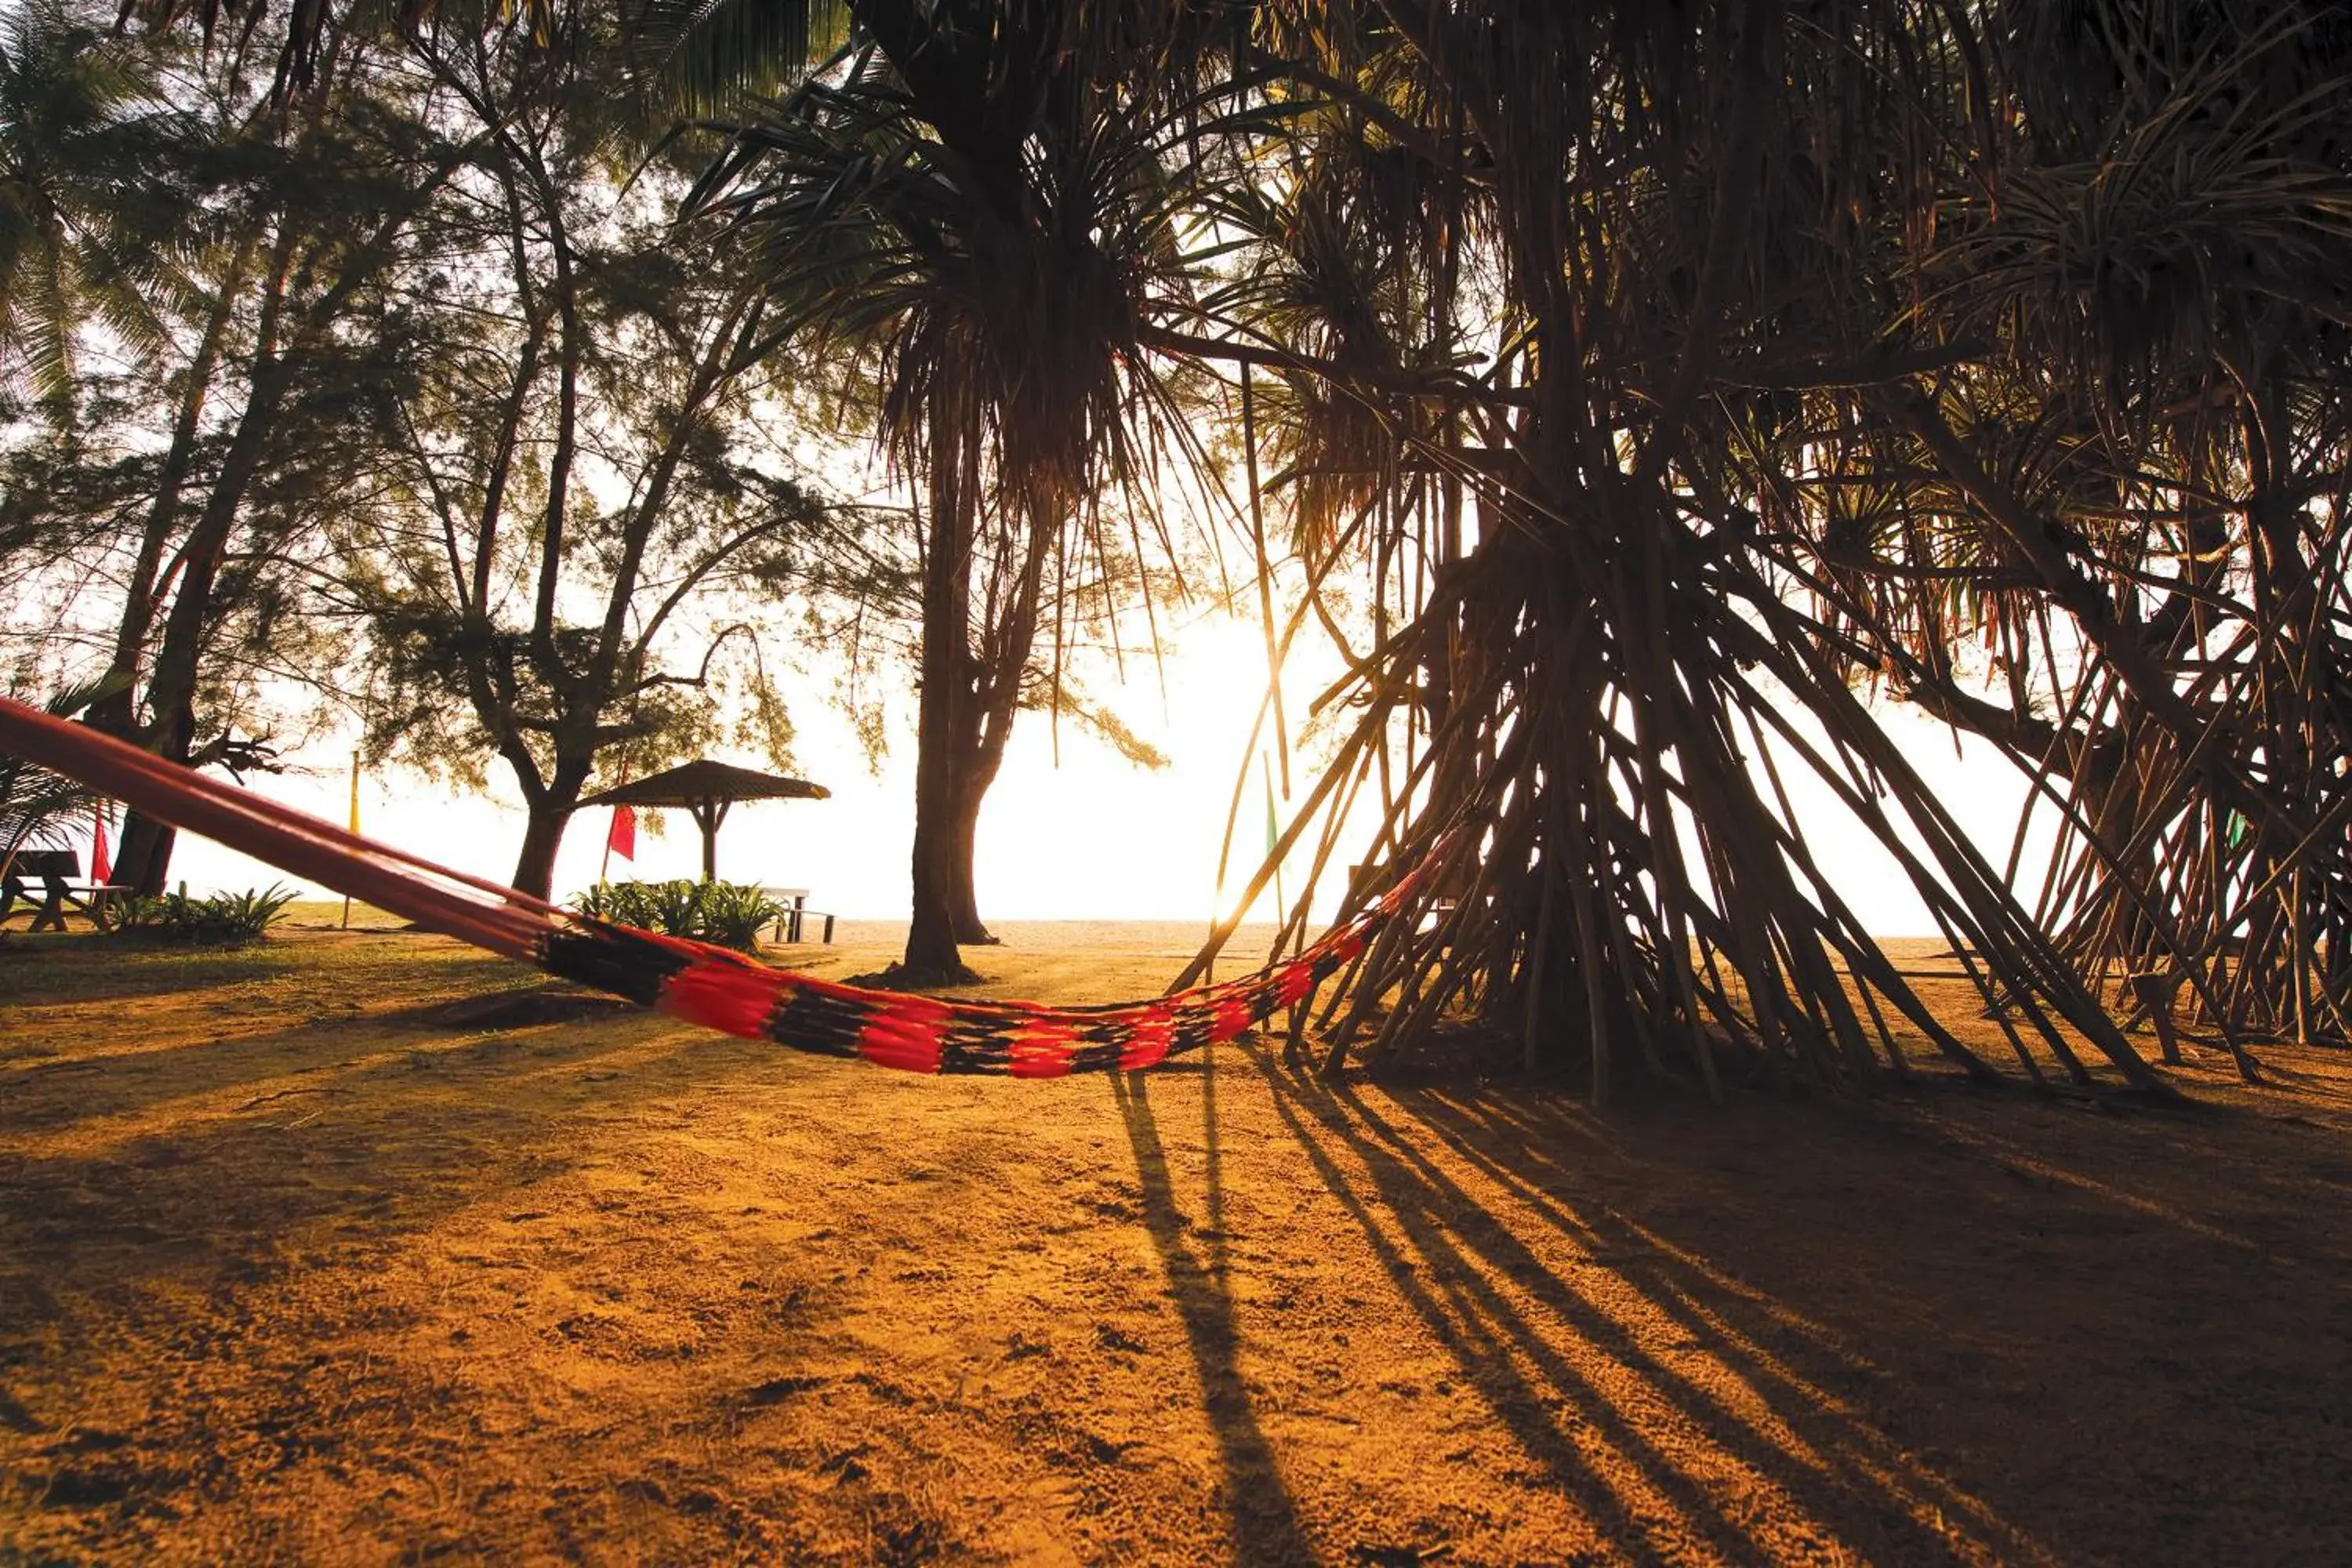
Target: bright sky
<point x="1092" y="838"/>
<point x="1095" y="837"/>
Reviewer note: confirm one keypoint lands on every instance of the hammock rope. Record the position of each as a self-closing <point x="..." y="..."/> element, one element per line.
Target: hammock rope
<point x="714" y="987"/>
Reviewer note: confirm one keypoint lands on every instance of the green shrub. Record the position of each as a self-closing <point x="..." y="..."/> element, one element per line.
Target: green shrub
<point x="725" y="914"/>
<point x="733" y="915"/>
<point x="622" y="903"/>
<point x="225" y="920"/>
<point x="678" y="908"/>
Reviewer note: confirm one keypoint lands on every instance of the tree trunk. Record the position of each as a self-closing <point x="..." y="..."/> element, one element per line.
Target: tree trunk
<point x="943" y="911"/>
<point x="963" y="837"/>
<point x="179" y="659"/>
<point x="549" y="801"/>
<point x="143" y="858"/>
<point x="542" y="835"/>
<point x="932" y="957"/>
<point x="992" y="697"/>
<point x="115" y="713"/>
<point x="567" y="428"/>
<point x="943" y="715"/>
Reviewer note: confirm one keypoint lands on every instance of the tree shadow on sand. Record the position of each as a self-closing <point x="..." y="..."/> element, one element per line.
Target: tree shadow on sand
<point x="1603" y="1300"/>
<point x="1265" y="1518"/>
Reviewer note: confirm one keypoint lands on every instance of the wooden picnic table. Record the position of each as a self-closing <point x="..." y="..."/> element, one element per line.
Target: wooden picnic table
<point x="62" y="889"/>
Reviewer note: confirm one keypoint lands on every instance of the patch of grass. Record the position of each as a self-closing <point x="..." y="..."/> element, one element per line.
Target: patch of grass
<point x="85" y="968"/>
<point x="224" y="920"/>
<point x="77" y="967"/>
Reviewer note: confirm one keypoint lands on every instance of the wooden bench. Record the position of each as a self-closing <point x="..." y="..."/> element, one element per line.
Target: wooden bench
<point x="791" y="923"/>
<point x="62" y="889"/>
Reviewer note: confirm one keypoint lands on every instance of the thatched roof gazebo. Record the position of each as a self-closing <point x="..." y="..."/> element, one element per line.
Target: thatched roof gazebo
<point x="707" y="789"/>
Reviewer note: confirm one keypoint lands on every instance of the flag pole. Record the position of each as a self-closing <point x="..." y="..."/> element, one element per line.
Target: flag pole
<point x="1272" y="839"/>
<point x="355" y="825"/>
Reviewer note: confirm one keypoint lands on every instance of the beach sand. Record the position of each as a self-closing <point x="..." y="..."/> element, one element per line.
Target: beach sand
<point x="301" y="1260"/>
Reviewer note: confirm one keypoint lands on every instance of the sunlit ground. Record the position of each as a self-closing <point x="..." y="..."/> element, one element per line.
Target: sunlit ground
<point x="300" y="1262"/>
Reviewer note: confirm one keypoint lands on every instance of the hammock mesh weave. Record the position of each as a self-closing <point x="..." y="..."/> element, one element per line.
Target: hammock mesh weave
<point x="712" y="986"/>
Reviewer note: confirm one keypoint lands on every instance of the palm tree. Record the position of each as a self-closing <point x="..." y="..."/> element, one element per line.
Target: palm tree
<point x="76" y="113"/>
<point x="1619" y="218"/>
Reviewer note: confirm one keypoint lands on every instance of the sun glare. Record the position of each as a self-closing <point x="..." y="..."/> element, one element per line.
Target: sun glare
<point x="1071" y="831"/>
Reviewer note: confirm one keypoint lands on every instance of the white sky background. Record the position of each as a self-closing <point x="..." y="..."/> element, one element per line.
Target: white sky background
<point x="1094" y="838"/>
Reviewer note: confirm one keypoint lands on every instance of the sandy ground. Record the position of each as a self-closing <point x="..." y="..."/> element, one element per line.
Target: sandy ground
<point x="301" y="1263"/>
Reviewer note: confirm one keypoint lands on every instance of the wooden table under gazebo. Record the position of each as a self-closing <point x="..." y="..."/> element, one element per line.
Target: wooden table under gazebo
<point x="707" y="789"/>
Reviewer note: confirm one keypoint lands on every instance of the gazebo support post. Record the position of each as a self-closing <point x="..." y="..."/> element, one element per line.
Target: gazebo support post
<point x="708" y="813"/>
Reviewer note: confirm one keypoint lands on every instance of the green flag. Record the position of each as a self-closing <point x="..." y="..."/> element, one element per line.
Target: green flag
<point x="1273" y="834"/>
<point x="1273" y="823"/>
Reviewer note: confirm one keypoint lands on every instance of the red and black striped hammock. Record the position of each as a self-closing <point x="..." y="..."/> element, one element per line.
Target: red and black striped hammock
<point x="712" y="986"/>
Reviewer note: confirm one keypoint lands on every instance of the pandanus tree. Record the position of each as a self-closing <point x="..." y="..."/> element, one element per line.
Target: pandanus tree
<point x="1929" y="325"/>
<point x="2204" y="862"/>
<point x="2124" y="481"/>
<point x="976" y="207"/>
<point x="1625" y="222"/>
<point x="1563" y="271"/>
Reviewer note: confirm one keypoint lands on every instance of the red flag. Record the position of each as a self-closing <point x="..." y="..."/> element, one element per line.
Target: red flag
<point x="101" y="865"/>
<point x="623" y="839"/>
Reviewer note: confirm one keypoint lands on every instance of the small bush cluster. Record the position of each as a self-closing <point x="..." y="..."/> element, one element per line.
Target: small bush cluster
<point x="725" y="914"/>
<point x="225" y="920"/>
